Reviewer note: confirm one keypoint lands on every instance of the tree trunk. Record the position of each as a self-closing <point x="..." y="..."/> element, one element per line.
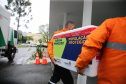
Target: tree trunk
<point x="18" y="28"/>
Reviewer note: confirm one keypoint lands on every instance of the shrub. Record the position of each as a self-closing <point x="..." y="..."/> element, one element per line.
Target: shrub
<point x="40" y="50"/>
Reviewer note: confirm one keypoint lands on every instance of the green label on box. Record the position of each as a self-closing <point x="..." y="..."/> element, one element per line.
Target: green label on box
<point x="58" y="46"/>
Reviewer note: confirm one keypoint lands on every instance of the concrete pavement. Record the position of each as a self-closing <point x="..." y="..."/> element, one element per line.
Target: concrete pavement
<point x="18" y="72"/>
<point x="23" y="55"/>
<point x="27" y="74"/>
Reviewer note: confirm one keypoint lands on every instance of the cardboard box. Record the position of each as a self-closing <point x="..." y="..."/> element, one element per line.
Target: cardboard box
<point x="67" y="46"/>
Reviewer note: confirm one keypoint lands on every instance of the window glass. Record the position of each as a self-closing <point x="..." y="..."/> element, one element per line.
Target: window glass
<point x="15" y="34"/>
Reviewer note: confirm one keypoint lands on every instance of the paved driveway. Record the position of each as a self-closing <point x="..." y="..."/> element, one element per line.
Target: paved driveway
<point x="18" y="72"/>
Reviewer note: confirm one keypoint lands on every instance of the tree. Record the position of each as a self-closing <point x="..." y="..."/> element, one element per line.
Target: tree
<point x="44" y="30"/>
<point x="27" y="38"/>
<point x="19" y="8"/>
<point x="40" y="41"/>
<point x="24" y="39"/>
<point x="20" y="36"/>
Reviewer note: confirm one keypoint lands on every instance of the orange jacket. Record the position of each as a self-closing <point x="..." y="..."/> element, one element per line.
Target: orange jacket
<point x="50" y="43"/>
<point x="112" y="67"/>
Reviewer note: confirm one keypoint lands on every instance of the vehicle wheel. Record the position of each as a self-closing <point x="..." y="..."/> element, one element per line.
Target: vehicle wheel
<point x="11" y="56"/>
<point x="10" y="53"/>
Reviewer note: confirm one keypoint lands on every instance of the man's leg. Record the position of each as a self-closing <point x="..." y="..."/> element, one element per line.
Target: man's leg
<point x="56" y="75"/>
<point x="66" y="76"/>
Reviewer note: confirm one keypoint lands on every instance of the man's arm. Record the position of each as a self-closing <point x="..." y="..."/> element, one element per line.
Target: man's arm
<point x="50" y="48"/>
<point x="50" y="51"/>
<point x="93" y="44"/>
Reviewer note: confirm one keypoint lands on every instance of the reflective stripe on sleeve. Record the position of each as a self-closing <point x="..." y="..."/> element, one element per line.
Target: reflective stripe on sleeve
<point x="116" y="46"/>
<point x="51" y="82"/>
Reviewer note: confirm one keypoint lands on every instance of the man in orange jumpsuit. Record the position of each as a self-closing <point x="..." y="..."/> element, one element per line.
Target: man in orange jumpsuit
<point x="59" y="72"/>
<point x="112" y="67"/>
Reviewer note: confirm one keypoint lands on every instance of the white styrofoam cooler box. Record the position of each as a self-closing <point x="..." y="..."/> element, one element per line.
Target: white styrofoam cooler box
<point x="67" y="46"/>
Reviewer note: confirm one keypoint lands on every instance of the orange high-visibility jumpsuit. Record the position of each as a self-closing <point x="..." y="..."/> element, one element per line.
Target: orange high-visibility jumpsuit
<point x="50" y="43"/>
<point x="59" y="72"/>
<point x="112" y="67"/>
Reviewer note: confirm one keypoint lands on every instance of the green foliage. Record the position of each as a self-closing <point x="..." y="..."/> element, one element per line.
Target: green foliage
<point x="40" y="41"/>
<point x="33" y="56"/>
<point x="44" y="30"/>
<point x="19" y="8"/>
<point x="40" y="51"/>
<point x="19" y="43"/>
<point x="27" y="38"/>
<point x="20" y="36"/>
<point x="24" y="38"/>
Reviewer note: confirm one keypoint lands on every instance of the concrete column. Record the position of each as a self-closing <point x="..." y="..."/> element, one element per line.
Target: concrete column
<point x="87" y="14"/>
<point x="81" y="79"/>
<point x="64" y="20"/>
<point x="58" y="28"/>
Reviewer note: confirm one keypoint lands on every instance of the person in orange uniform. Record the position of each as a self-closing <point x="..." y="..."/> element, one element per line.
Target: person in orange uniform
<point x="59" y="72"/>
<point x="112" y="67"/>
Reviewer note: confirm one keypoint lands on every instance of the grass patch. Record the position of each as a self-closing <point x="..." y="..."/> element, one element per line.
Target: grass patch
<point x="20" y="46"/>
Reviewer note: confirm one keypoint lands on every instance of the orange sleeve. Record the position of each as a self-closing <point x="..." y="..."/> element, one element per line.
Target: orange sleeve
<point x="94" y="43"/>
<point x="50" y="48"/>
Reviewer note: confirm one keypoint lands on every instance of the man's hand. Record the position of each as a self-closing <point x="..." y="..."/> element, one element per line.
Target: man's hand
<point x="80" y="71"/>
<point x="53" y="59"/>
